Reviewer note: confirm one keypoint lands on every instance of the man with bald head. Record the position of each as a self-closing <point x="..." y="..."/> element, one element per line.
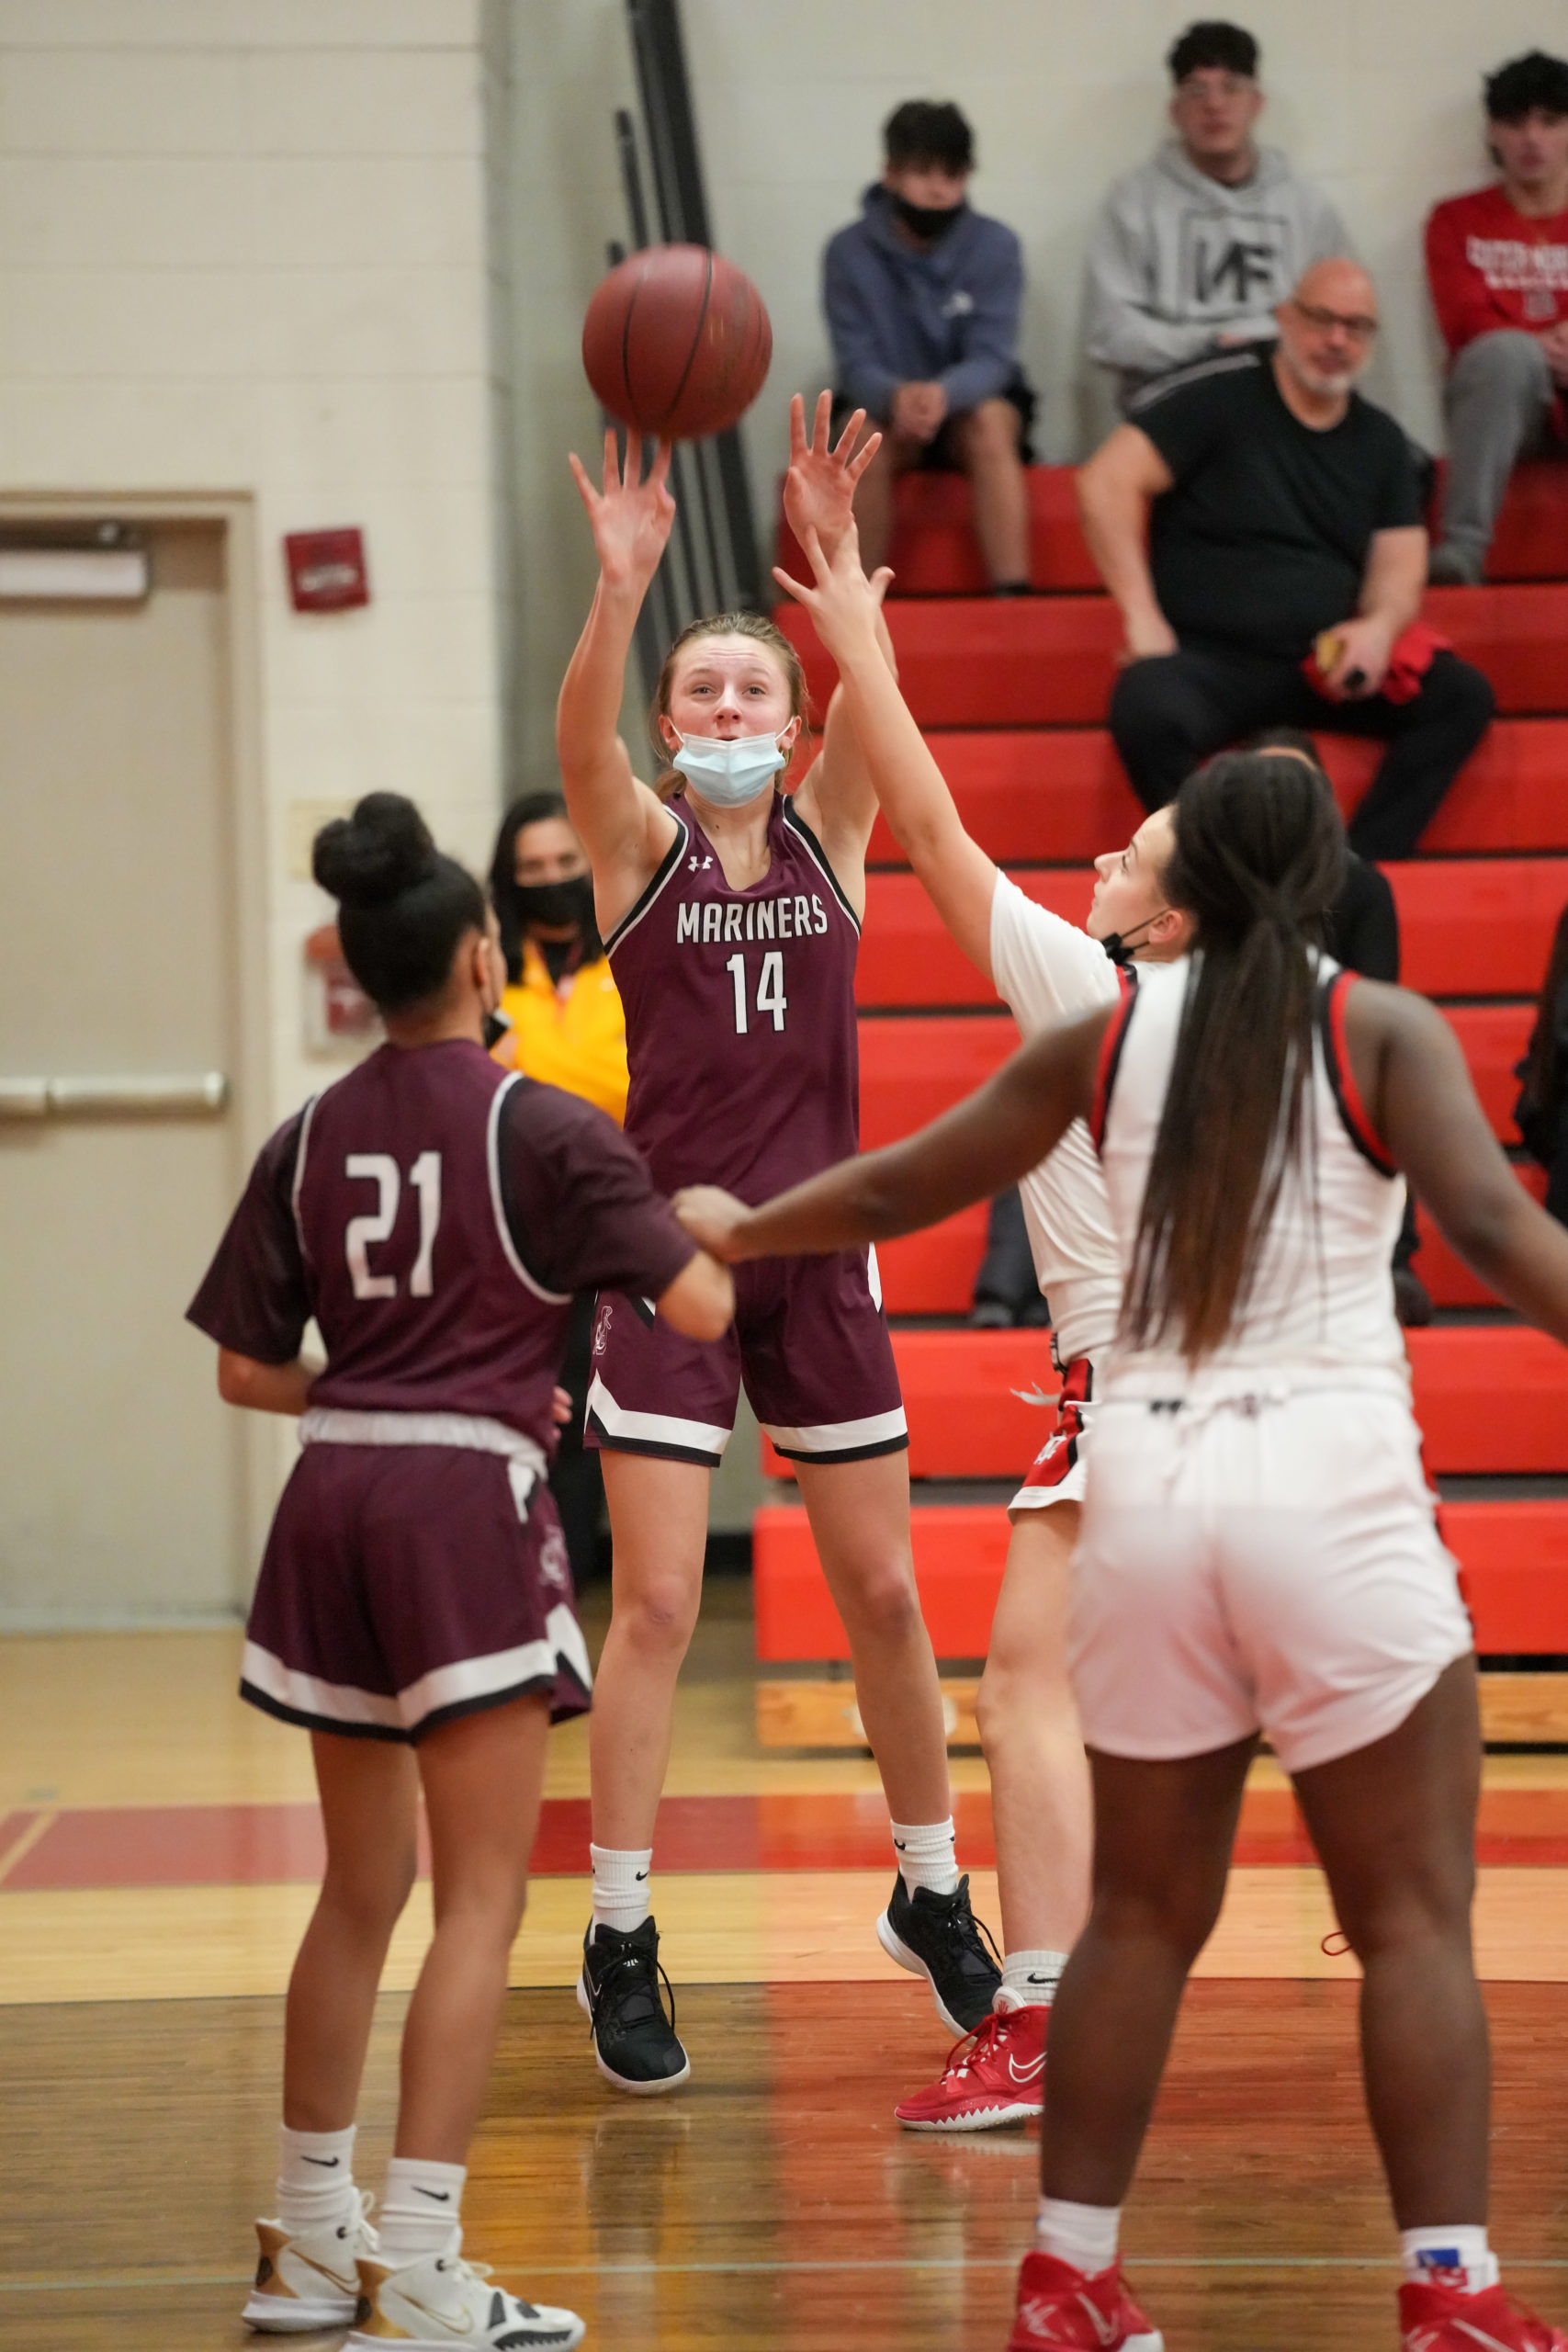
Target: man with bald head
<point x="1254" y="506"/>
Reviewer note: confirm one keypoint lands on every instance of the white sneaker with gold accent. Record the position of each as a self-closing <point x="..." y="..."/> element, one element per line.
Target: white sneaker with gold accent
<point x="310" y="2279"/>
<point x="440" y="2300"/>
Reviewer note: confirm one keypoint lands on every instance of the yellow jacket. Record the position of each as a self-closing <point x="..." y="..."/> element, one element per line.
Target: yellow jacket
<point x="573" y="1036"/>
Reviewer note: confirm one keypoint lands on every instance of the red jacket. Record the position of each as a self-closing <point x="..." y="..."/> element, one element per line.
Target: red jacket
<point x="1489" y="267"/>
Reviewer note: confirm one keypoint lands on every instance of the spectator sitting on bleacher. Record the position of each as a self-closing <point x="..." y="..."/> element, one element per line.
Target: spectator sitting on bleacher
<point x="1497" y="260"/>
<point x="1282" y="518"/>
<point x="1192" y="251"/>
<point x="922" y="298"/>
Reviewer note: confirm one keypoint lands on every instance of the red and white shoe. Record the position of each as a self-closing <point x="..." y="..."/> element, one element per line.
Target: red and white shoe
<point x="1442" y="2319"/>
<point x="1058" y="2306"/>
<point x="996" y="2075"/>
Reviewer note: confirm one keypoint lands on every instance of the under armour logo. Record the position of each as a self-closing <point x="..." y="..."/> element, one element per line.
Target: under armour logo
<point x="691" y="865"/>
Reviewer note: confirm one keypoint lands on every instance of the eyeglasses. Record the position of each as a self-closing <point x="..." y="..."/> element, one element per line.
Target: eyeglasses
<point x="1358" y="328"/>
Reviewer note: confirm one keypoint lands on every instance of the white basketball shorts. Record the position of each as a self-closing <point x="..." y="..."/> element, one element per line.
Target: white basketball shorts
<point x="1269" y="1563"/>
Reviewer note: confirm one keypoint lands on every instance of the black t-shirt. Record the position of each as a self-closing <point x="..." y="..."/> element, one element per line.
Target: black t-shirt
<point x="1263" y="541"/>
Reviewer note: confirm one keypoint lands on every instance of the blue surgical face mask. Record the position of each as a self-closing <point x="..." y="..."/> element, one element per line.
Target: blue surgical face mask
<point x="730" y="775"/>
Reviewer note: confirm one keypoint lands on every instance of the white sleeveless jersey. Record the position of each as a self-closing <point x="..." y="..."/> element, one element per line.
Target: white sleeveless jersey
<point x="1320" y="1312"/>
<point x="1046" y="970"/>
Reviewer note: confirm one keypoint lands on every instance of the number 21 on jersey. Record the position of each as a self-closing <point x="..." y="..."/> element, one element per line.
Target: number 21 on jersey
<point x="770" y="996"/>
<point x="381" y="1169"/>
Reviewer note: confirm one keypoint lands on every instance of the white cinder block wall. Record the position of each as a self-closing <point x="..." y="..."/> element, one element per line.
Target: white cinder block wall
<point x="242" y="248"/>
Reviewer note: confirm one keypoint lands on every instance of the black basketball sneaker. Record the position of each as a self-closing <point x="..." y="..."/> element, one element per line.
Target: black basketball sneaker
<point x="938" y="1938"/>
<point x="635" y="2044"/>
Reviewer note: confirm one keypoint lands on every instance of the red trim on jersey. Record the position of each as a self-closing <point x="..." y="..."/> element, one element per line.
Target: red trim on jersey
<point x="1342" y="1079"/>
<point x="1111" y="1054"/>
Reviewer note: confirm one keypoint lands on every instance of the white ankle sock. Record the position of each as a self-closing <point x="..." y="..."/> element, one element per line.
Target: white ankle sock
<point x="421" y="2208"/>
<point x="620" y="1886"/>
<point x="1084" y="2235"/>
<point x="315" y="2179"/>
<point x="1030" y="1977"/>
<point x="1458" y="2258"/>
<point x="925" y="1855"/>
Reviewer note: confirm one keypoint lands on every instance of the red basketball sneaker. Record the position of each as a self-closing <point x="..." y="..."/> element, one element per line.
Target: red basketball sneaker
<point x="1441" y="2319"/>
<point x="1060" y="2306"/>
<point x="996" y="2075"/>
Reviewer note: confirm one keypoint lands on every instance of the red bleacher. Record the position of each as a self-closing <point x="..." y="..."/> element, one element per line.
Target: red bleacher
<point x="1012" y="696"/>
<point x="934" y="553"/>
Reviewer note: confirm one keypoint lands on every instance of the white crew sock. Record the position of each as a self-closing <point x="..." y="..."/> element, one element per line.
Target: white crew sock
<point x="1030" y="1979"/>
<point x="620" y="1886"/>
<point x="925" y="1855"/>
<point x="1084" y="2235"/>
<point x="1458" y="2257"/>
<point x="315" y="2179"/>
<point x="421" y="2208"/>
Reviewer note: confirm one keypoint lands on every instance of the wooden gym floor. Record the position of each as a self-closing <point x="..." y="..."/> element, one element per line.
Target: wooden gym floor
<point x="156" y="1846"/>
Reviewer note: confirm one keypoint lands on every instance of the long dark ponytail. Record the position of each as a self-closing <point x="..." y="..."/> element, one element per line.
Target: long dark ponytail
<point x="1260" y="857"/>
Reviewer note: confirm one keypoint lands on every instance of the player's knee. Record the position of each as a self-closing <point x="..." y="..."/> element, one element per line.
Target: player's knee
<point x="1178" y="1912"/>
<point x="661" y="1612"/>
<point x="882" y="1604"/>
<point x="1406" y="1910"/>
<point x="372" y="1888"/>
<point x="1021" y="1700"/>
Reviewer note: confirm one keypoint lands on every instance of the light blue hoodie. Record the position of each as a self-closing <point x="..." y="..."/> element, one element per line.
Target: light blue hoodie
<point x="945" y="314"/>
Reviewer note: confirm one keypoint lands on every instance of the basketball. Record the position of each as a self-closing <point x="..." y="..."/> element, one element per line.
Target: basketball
<point x="677" y="342"/>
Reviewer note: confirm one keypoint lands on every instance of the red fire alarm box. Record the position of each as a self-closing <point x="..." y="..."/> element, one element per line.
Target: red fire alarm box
<point x="326" y="570"/>
<point x="339" y="1017"/>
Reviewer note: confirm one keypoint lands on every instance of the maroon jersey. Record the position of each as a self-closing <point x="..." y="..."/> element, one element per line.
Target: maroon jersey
<point x="436" y="1214"/>
<point x="740" y="1015"/>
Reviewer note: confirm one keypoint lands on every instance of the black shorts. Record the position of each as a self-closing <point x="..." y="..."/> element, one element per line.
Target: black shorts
<point x="403" y="1586"/>
<point x="810" y="1342"/>
<point x="939" y="455"/>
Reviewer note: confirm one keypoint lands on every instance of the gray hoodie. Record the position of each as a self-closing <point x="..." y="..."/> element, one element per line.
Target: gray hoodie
<point x="1177" y="260"/>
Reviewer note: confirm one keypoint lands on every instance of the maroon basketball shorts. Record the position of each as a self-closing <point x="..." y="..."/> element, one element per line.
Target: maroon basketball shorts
<point x="405" y="1585"/>
<point x="1058" y="1472"/>
<point x="808" y="1339"/>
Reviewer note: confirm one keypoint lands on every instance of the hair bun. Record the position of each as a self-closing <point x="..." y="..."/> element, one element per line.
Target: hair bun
<point x="375" y="854"/>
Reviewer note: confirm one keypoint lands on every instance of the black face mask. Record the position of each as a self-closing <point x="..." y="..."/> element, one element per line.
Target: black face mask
<point x="555" y="904"/>
<point x="927" y="221"/>
<point x="1120" y="946"/>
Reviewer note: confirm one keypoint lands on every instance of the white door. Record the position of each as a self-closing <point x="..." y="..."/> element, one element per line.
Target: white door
<point x="120" y="1472"/>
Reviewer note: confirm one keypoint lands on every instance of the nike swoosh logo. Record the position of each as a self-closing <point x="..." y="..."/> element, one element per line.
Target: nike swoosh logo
<point x="328" y="2164"/>
<point x="900" y="1847"/>
<point x="345" y="2285"/>
<point x="436" y="2195"/>
<point x="640" y="1876"/>
<point x="1030" y="2074"/>
<point x="1037" y="1980"/>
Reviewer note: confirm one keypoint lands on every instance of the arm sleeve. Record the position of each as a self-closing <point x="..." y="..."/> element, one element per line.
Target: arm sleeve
<point x="579" y="1202"/>
<point x="1185" y="422"/>
<point x="990" y="331"/>
<point x="254" y="1297"/>
<point x="1399" y="506"/>
<point x="1044" y="969"/>
<point x="859" y="367"/>
<point x="1122" y="328"/>
<point x="1459" y="297"/>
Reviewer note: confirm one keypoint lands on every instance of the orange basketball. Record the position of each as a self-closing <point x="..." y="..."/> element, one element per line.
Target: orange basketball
<point x="677" y="342"/>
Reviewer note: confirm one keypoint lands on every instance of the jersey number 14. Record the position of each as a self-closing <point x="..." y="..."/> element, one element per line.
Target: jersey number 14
<point x="770" y="996"/>
<point x="381" y="1169"/>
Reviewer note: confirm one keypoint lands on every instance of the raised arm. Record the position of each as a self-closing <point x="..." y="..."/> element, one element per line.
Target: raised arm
<point x="1418" y="1095"/>
<point x="1116" y="488"/>
<point x="621" y="823"/>
<point x="846" y="609"/>
<point x="974" y="1151"/>
<point x="835" y="796"/>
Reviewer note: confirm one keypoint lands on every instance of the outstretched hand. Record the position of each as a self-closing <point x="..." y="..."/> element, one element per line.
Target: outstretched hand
<point x="819" y="487"/>
<point x="843" y="604"/>
<point x="631" y="518"/>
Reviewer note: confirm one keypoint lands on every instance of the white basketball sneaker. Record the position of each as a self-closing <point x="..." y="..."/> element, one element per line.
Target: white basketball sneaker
<point x="310" y="2281"/>
<point x="440" y="2300"/>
